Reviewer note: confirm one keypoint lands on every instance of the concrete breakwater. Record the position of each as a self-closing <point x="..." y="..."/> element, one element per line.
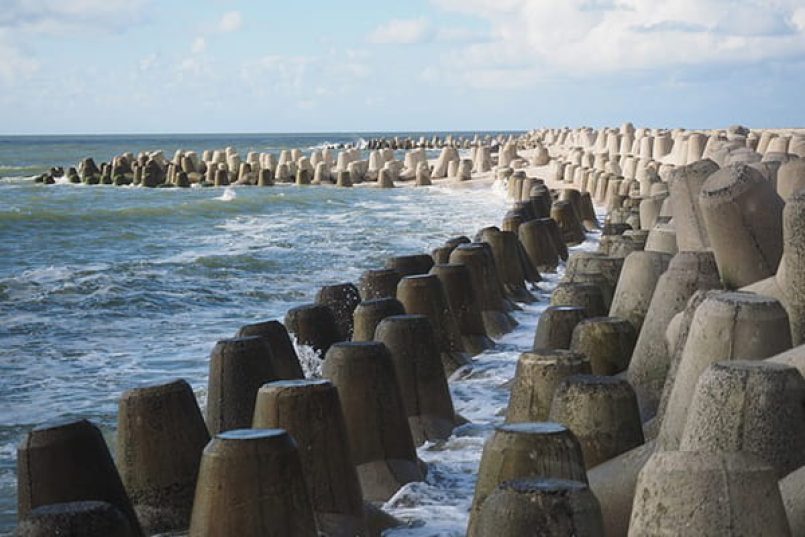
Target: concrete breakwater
<point x="373" y="161"/>
<point x="637" y="387"/>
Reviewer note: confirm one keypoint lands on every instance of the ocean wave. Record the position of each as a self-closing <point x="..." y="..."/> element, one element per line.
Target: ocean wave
<point x="228" y="195"/>
<point x="205" y="208"/>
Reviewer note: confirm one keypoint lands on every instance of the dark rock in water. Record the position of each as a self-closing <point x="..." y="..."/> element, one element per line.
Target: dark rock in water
<point x="48" y="179"/>
<point x="57" y="171"/>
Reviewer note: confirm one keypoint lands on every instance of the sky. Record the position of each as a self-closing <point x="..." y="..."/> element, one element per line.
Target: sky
<point x="182" y="66"/>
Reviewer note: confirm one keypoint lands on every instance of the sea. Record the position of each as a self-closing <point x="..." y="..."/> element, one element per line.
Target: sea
<point x="106" y="288"/>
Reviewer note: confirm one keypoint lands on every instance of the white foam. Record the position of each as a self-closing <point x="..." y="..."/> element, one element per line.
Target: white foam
<point x="228" y="195"/>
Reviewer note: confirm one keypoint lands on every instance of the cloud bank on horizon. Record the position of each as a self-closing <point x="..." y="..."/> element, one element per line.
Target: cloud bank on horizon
<point x="237" y="65"/>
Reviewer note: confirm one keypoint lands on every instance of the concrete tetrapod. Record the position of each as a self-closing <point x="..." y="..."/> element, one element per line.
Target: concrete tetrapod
<point x="538" y="243"/>
<point x="457" y="282"/>
<point x="675" y="336"/>
<point x="342" y="299"/>
<point x="613" y="483"/>
<point x="68" y="461"/>
<point x="379" y="283"/>
<point x="636" y="284"/>
<point x="791" y="276"/>
<point x="520" y="450"/>
<point x="369" y="313"/>
<point x="594" y="278"/>
<point x="567" y="219"/>
<point x="251" y="484"/>
<point x="662" y="238"/>
<point x="701" y="493"/>
<point x="684" y="184"/>
<point x="556" y="236"/>
<point x="792" y="489"/>
<point x="424" y="295"/>
<point x="597" y="263"/>
<point x="313" y="325"/>
<point x="486" y="285"/>
<point x="160" y="437"/>
<point x="380" y="439"/>
<point x="283" y="354"/>
<point x="441" y="254"/>
<point x="743" y="217"/>
<point x="555" y="326"/>
<point x="791" y="178"/>
<point x="584" y="295"/>
<point x="410" y="265"/>
<point x="748" y="327"/>
<point x="504" y="249"/>
<point x="607" y="342"/>
<point x="238" y="367"/>
<point x="752" y="406"/>
<point x="538" y="374"/>
<point x="602" y="413"/>
<point x="411" y="341"/>
<point x="75" y="519"/>
<point x="310" y="411"/>
<point x="540" y="507"/>
<point x="687" y="272"/>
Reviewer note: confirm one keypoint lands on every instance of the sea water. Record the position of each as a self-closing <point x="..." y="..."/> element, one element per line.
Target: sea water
<point x="106" y="288"/>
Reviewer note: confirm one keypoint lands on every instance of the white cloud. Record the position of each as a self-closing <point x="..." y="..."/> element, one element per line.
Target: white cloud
<point x="199" y="45"/>
<point x="798" y="19"/>
<point x="65" y="16"/>
<point x="401" y="32"/>
<point x="530" y="38"/>
<point x="230" y="21"/>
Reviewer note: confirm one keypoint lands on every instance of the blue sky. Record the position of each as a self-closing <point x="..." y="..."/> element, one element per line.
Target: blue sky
<point x="120" y="66"/>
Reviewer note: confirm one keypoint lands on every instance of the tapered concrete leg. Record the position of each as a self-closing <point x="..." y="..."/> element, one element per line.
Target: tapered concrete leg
<point x="519" y="450"/>
<point x="555" y="326"/>
<point x="412" y="343"/>
<point x="369" y="313"/>
<point x="160" y="437"/>
<point x="554" y="507"/>
<point x="238" y="367"/>
<point x="424" y="295"/>
<point x="310" y="410"/>
<point x="380" y="439"/>
<point x="687" y="272"/>
<point x="601" y="412"/>
<point x="636" y="284"/>
<point x="757" y="406"/>
<point x="700" y="493"/>
<point x="750" y="327"/>
<point x="607" y="342"/>
<point x="457" y="282"/>
<point x="251" y="483"/>
<point x="283" y="354"/>
<point x="539" y="372"/>
<point x="68" y="461"/>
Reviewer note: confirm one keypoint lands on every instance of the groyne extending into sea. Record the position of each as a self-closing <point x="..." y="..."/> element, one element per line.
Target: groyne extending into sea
<point x="617" y="354"/>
